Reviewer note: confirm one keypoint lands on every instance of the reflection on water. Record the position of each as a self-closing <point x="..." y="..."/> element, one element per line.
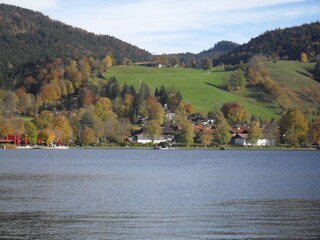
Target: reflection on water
<point x="175" y="195"/>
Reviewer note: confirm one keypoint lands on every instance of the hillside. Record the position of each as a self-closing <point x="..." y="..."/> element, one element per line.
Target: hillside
<point x="299" y="88"/>
<point x="284" y="44"/>
<point x="207" y="91"/>
<point x="27" y="36"/>
<point x="204" y="90"/>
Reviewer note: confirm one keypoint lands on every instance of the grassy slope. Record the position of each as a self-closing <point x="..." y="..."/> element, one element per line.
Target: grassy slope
<point x="204" y="90"/>
<point x="295" y="77"/>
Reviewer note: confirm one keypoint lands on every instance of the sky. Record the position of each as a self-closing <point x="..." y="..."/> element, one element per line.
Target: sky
<point x="177" y="26"/>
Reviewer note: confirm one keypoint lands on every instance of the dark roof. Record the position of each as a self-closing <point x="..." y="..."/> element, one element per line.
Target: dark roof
<point x="168" y="130"/>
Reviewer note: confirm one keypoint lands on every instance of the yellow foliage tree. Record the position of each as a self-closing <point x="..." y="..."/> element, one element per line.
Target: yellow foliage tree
<point x="206" y="137"/>
<point x="46" y="136"/>
<point x="304" y="57"/>
<point x="88" y="136"/>
<point x="294" y="127"/>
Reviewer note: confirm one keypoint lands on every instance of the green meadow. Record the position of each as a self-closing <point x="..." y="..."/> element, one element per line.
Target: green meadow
<point x="205" y="90"/>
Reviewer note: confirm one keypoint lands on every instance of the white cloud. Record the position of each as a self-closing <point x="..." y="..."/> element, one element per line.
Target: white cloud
<point x="33" y="4"/>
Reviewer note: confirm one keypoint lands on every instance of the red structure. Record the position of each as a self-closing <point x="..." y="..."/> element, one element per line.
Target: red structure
<point x="14" y="139"/>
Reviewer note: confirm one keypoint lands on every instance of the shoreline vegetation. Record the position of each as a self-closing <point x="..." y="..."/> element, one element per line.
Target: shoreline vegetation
<point x="175" y="147"/>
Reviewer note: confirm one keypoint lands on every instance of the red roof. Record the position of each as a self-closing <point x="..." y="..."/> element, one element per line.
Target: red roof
<point x="241" y="129"/>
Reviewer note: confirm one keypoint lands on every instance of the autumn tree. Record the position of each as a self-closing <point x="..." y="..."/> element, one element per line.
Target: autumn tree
<point x="103" y="106"/>
<point x="186" y="134"/>
<point x="5" y="127"/>
<point x="155" y="110"/>
<point x="84" y="67"/>
<point x="206" y="137"/>
<point x="106" y="63"/>
<point x="62" y="128"/>
<point x="303" y="57"/>
<point x="235" y="114"/>
<point x="123" y="129"/>
<point x="254" y="132"/>
<point x="294" y="127"/>
<point x="46" y="136"/>
<point x="221" y="135"/>
<point x="315" y="132"/>
<point x="111" y="124"/>
<point x="88" y="137"/>
<point x="86" y="97"/>
<point x="153" y="129"/>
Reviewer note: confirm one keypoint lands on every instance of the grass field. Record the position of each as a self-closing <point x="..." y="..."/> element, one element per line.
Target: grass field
<point x="204" y="90"/>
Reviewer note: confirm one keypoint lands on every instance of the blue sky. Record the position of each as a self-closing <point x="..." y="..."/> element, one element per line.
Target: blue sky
<point x="168" y="26"/>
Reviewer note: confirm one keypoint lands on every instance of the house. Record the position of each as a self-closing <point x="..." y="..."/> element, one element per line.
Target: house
<point x="167" y="136"/>
<point x="168" y="133"/>
<point x="241" y="139"/>
<point x="199" y="119"/>
<point x="170" y="115"/>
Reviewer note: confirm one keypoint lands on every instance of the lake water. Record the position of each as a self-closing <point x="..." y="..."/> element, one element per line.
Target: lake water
<point x="154" y="194"/>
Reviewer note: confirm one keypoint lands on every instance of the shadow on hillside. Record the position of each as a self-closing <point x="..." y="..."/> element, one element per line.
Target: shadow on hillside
<point x="305" y="74"/>
<point x="259" y="96"/>
<point x="305" y="97"/>
<point x="221" y="87"/>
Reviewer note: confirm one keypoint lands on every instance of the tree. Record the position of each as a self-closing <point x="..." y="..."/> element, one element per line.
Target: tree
<point x="88" y="137"/>
<point x="5" y="127"/>
<point x="175" y="61"/>
<point x="106" y="63"/>
<point x="222" y="133"/>
<point x="102" y="107"/>
<point x="236" y="81"/>
<point x="234" y="113"/>
<point x="153" y="129"/>
<point x="293" y="127"/>
<point x="163" y="95"/>
<point x="44" y="120"/>
<point x="110" y="127"/>
<point x="315" y="132"/>
<point x="206" y="137"/>
<point x="316" y="73"/>
<point x="207" y="64"/>
<point x="86" y="97"/>
<point x="62" y="129"/>
<point x="31" y="132"/>
<point x="46" y="136"/>
<point x="123" y="129"/>
<point x="271" y="130"/>
<point x="186" y="134"/>
<point x="254" y="132"/>
<point x="155" y="110"/>
<point x="303" y="57"/>
<point x="10" y="102"/>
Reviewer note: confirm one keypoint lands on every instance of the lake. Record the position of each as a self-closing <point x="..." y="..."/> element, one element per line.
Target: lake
<point x="159" y="194"/>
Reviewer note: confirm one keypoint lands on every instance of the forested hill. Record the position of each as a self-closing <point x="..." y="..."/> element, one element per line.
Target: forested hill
<point x="195" y="60"/>
<point x="285" y="44"/>
<point x="27" y="36"/>
<point x="219" y="49"/>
